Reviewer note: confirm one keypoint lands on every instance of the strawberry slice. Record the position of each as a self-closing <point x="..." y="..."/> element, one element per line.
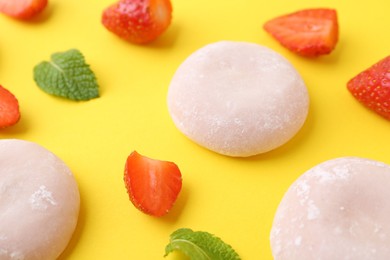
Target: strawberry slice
<point x="9" y="108"/>
<point x="22" y="9"/>
<point x="371" y="87"/>
<point x="138" y="21"/>
<point x="309" y="32"/>
<point x="153" y="185"/>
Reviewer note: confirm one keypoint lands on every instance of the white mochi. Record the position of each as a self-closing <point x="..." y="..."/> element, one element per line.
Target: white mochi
<point x="39" y="202"/>
<point x="339" y="209"/>
<point x="237" y="98"/>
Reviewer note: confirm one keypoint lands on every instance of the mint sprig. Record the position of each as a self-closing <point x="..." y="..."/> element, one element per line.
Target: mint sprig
<point x="200" y="245"/>
<point x="67" y="75"/>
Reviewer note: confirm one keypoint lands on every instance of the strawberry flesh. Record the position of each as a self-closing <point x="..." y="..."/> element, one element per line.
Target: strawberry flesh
<point x="153" y="185"/>
<point x="9" y="108"/>
<point x="138" y="21"/>
<point x="22" y="9"/>
<point x="371" y="87"/>
<point x="309" y="32"/>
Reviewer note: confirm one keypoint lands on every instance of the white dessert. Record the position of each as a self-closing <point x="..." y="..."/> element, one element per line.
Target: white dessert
<point x="238" y="98"/>
<point x="39" y="202"/>
<point x="339" y="209"/>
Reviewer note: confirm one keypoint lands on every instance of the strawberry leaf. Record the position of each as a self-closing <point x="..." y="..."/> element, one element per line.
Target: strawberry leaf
<point x="67" y="75"/>
<point x="200" y="245"/>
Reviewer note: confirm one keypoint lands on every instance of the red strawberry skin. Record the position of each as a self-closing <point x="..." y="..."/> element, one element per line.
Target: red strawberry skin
<point x="309" y="32"/>
<point x="9" y="108"/>
<point x="371" y="87"/>
<point x="22" y="9"/>
<point x="153" y="185"/>
<point x="138" y="21"/>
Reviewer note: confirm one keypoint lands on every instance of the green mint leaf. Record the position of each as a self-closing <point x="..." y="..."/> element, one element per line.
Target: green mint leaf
<point x="67" y="75"/>
<point x="200" y="246"/>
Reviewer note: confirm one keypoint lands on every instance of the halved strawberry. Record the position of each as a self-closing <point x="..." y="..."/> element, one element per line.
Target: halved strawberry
<point x="22" y="9"/>
<point x="153" y="185"/>
<point x="309" y="32"/>
<point x="138" y="21"/>
<point x="9" y="108"/>
<point x="371" y="87"/>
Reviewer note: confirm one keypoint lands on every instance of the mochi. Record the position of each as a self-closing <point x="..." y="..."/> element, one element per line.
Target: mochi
<point x="339" y="209"/>
<point x="237" y="98"/>
<point x="39" y="202"/>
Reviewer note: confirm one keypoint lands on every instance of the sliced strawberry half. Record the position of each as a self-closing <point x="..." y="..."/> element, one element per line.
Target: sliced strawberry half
<point x="371" y="87"/>
<point x="153" y="185"/>
<point x="138" y="21"/>
<point x="22" y="9"/>
<point x="309" y="32"/>
<point x="9" y="108"/>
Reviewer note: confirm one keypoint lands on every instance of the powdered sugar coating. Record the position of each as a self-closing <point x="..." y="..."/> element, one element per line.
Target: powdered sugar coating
<point x="42" y="199"/>
<point x="39" y="202"/>
<point x="339" y="209"/>
<point x="237" y="98"/>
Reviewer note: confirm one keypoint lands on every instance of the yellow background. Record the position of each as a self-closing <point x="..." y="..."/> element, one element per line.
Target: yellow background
<point x="233" y="198"/>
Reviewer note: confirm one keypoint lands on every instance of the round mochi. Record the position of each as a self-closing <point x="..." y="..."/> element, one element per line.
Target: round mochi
<point x="339" y="209"/>
<point x="39" y="202"/>
<point x="237" y="98"/>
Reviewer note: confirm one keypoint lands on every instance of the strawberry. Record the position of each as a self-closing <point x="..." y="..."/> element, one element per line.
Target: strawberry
<point x="309" y="32"/>
<point x="9" y="108"/>
<point x="22" y="9"/>
<point x="152" y="185"/>
<point x="371" y="87"/>
<point x="138" y="21"/>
